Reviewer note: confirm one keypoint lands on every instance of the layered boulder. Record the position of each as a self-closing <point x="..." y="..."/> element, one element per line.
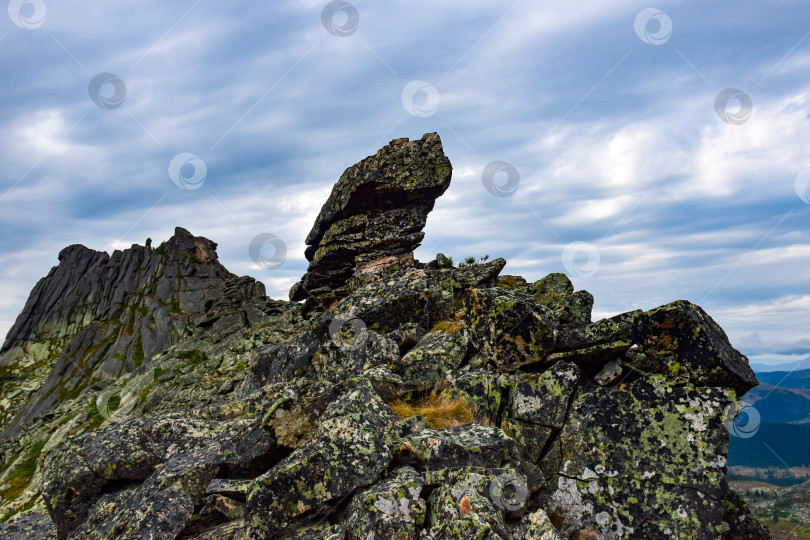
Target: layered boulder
<point x="413" y="400"/>
<point x="374" y="216"/>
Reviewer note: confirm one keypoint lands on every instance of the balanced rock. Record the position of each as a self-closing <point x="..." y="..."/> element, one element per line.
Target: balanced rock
<point x="374" y="217"/>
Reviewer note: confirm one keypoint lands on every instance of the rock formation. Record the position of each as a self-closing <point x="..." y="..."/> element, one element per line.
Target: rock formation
<point x="410" y="400"/>
<point x="374" y="217"/>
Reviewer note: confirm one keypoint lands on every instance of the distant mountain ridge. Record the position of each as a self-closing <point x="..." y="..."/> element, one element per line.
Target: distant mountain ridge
<point x="785" y="366"/>
<point x="779" y="446"/>
<point x="787" y="379"/>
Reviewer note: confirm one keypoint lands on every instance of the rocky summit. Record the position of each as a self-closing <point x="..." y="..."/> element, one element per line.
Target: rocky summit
<point x="153" y="394"/>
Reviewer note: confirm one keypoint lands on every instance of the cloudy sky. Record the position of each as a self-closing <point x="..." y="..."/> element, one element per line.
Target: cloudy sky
<point x="657" y="151"/>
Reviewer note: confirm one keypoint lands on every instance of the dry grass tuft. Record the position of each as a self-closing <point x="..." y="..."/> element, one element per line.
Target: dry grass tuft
<point x="438" y="411"/>
<point x="448" y="327"/>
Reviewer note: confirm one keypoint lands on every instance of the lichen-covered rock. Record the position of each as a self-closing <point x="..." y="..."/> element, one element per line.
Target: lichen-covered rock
<point x="318" y="532"/>
<point x="436" y="355"/>
<point x="683" y="339"/>
<point x="543" y="399"/>
<point x="510" y="327"/>
<point x="97" y="316"/>
<point x="556" y="292"/>
<point x="218" y="508"/>
<point x="407" y="335"/>
<point x="161" y="506"/>
<point x="483" y="391"/>
<point x="678" y="339"/>
<point x="738" y="522"/>
<point x="613" y="329"/>
<point x="30" y="526"/>
<point x="236" y="489"/>
<point x="288" y="359"/>
<point x="342" y="457"/>
<point x="537" y="526"/>
<point x="470" y="444"/>
<point x="478" y="276"/>
<point x="461" y="513"/>
<point x="592" y="359"/>
<point x="628" y="471"/>
<point x="472" y="503"/>
<point x="346" y="453"/>
<point x="176" y="458"/>
<point x="537" y="407"/>
<point x="609" y="374"/>
<point x="230" y="530"/>
<point x="414" y="296"/>
<point x="360" y="401"/>
<point x="392" y="508"/>
<point x="347" y="358"/>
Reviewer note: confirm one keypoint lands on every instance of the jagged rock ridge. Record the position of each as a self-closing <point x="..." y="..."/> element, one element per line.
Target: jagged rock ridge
<point x="549" y="425"/>
<point x="96" y="317"/>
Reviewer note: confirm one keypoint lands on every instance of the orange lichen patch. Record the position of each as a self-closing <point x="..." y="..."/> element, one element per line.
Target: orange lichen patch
<point x="438" y="411"/>
<point x="465" y="506"/>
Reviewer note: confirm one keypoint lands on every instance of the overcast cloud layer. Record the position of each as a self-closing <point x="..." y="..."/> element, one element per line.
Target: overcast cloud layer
<point x="634" y="178"/>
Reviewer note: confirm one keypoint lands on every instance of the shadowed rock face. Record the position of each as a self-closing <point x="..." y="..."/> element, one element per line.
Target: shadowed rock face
<point x="374" y="216"/>
<point x="257" y="422"/>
